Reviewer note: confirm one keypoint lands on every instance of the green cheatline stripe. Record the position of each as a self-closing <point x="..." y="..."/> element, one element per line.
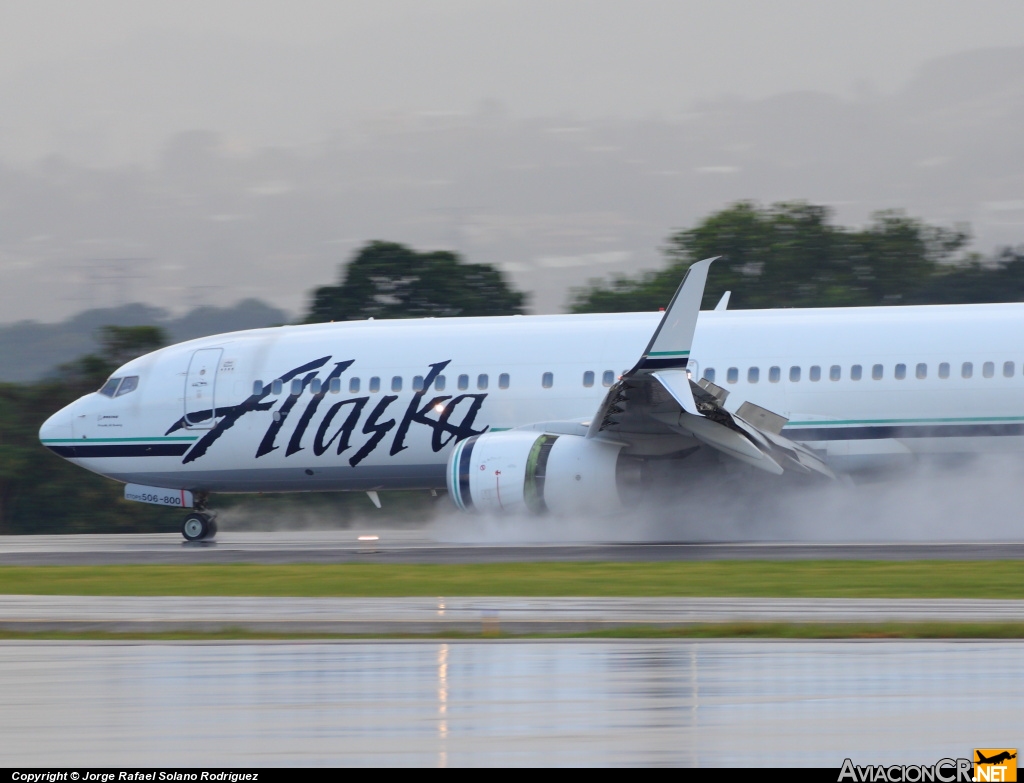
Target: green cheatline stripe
<point x="669" y="353"/>
<point x="114" y="440"/>
<point x="902" y="421"/>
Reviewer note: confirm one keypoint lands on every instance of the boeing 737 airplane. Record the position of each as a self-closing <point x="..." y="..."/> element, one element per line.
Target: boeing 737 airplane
<point x="563" y="413"/>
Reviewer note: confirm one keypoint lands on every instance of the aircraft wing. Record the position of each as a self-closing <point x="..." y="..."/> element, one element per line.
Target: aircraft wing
<point x="657" y="407"/>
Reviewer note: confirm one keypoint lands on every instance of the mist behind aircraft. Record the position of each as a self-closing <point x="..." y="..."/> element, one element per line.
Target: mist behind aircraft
<point x="967" y="500"/>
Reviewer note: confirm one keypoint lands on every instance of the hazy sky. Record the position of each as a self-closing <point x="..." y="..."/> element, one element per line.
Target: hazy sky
<point x="109" y="83"/>
<point x="595" y="57"/>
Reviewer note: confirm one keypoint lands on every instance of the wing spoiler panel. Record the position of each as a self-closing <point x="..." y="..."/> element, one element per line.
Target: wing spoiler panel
<point x="645" y="394"/>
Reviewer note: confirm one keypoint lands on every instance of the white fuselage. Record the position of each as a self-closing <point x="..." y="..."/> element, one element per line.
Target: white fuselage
<point x="524" y="370"/>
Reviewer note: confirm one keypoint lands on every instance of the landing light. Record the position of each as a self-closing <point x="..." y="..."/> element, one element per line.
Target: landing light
<point x="439" y="407"/>
<point x="368" y="538"/>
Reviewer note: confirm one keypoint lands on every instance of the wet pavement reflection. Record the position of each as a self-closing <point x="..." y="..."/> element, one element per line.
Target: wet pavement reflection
<point x="639" y="702"/>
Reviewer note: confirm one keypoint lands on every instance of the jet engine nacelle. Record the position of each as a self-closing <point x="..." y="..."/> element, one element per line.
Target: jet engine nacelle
<point x="527" y="472"/>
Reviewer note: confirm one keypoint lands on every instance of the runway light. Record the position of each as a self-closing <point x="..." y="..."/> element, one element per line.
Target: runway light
<point x="368" y="538"/>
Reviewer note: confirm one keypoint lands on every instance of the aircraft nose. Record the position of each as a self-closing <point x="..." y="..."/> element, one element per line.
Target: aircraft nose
<point x="56" y="429"/>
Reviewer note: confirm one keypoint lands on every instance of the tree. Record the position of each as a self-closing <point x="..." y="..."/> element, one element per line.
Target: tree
<point x="118" y="344"/>
<point x="389" y="280"/>
<point x="38" y="491"/>
<point x="123" y="343"/>
<point x="999" y="280"/>
<point x="790" y="255"/>
<point x="16" y="450"/>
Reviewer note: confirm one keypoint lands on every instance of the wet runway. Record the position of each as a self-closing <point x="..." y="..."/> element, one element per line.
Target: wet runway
<point x="599" y="703"/>
<point x="415" y="546"/>
<point x="135" y="614"/>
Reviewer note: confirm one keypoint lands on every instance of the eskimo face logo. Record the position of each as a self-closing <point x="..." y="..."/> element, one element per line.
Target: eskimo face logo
<point x="340" y="423"/>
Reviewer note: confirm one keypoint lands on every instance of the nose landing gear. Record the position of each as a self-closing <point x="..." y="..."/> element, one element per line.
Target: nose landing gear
<point x="200" y="525"/>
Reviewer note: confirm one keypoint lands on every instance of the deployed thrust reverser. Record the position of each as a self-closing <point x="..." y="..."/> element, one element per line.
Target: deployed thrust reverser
<point x="528" y="472"/>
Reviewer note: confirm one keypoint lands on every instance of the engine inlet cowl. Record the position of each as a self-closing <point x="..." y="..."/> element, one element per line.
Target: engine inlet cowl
<point x="526" y="472"/>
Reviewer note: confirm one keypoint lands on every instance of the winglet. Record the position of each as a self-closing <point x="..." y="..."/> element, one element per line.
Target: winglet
<point x="670" y="346"/>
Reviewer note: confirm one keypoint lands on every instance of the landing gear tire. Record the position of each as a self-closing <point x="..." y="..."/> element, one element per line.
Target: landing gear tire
<point x="196" y="527"/>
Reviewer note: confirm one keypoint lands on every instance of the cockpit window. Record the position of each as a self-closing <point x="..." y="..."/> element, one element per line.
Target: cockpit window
<point x="128" y="384"/>
<point x="110" y="387"/>
<point x="115" y="387"/>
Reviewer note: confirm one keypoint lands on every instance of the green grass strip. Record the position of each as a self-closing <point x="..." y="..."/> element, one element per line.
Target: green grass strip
<point x="746" y="630"/>
<point x="796" y="579"/>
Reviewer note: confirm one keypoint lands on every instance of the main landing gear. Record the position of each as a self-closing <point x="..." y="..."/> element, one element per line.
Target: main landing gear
<point x="200" y="525"/>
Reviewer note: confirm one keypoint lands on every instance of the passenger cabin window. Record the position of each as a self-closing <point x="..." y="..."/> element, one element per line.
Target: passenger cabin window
<point x="815" y="373"/>
<point x="277" y="386"/>
<point x="753" y="373"/>
<point x="353" y="385"/>
<point x="944" y="370"/>
<point x="374" y="384"/>
<point x="608" y="378"/>
<point x="257" y="387"/>
<point x="439" y="382"/>
<point x="835" y="372"/>
<point x="794" y="374"/>
<point x="877" y="372"/>
<point x="315" y="385"/>
<point x="1007" y="369"/>
<point x="396" y="383"/>
<point x="967" y="370"/>
<point x="503" y="381"/>
<point x="296" y="388"/>
<point x="335" y="384"/>
<point x="588" y="378"/>
<point x="547" y="380"/>
<point x="901" y="372"/>
<point x="921" y="371"/>
<point x="774" y="374"/>
<point x="463" y="382"/>
<point x="481" y="381"/>
<point x="709" y="374"/>
<point x="855" y="372"/>
<point x="732" y="375"/>
<point x="988" y="369"/>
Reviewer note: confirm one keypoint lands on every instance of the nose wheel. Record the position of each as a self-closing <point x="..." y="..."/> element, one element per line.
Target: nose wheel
<point x="199" y="527"/>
